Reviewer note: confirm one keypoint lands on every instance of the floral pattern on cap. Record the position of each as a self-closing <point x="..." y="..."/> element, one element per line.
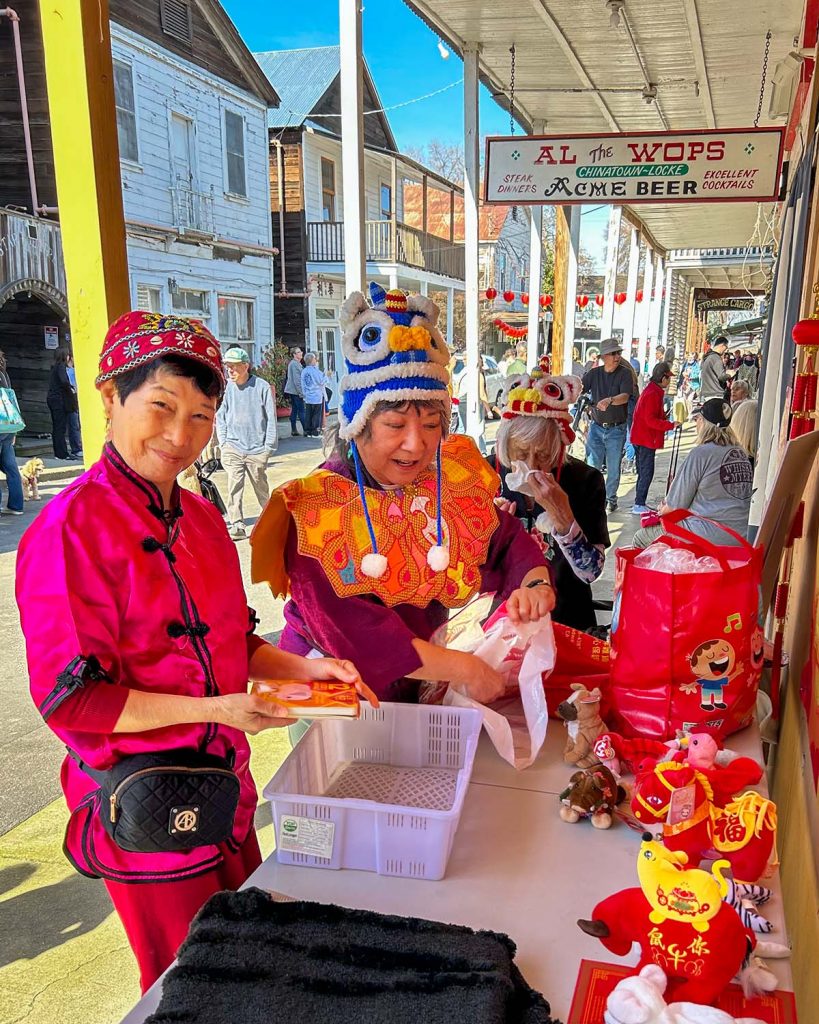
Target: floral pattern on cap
<point x="136" y="338"/>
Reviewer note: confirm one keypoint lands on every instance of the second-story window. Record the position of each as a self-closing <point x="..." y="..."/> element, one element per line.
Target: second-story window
<point x="386" y="202"/>
<point x="192" y="301"/>
<point x="235" y="318"/>
<point x="328" y="189"/>
<point x="126" y="111"/>
<point x="235" y="150"/>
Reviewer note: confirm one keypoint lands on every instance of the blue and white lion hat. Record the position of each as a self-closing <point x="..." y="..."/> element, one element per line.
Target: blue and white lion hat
<point x="393" y="352"/>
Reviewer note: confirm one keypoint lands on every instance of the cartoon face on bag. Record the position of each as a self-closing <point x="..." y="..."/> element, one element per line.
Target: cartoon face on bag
<point x="757" y="649"/>
<point x="715" y="659"/>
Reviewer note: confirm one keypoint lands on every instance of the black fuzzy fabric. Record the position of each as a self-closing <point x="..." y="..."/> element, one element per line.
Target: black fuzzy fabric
<point x="249" y="960"/>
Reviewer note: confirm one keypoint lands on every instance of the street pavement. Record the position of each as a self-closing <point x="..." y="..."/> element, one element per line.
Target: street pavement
<point x="63" y="955"/>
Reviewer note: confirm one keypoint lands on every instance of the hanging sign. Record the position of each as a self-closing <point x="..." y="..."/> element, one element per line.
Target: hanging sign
<point x="734" y="165"/>
<point x="720" y="300"/>
<point x="52" y="337"/>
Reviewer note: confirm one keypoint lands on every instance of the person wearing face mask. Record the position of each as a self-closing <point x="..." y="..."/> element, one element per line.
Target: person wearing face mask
<point x="399" y="525"/>
<point x="648" y="432"/>
<point x="140" y="645"/>
<point x="560" y="500"/>
<point x="748" y="372"/>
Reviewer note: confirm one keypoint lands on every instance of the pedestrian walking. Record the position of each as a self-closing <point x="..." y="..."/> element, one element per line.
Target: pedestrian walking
<point x="313" y="383"/>
<point x="748" y="373"/>
<point x="140" y="644"/>
<point x="61" y="400"/>
<point x="74" y="433"/>
<point x="610" y="386"/>
<point x="713" y="373"/>
<point x="246" y="431"/>
<point x="8" y="460"/>
<point x="294" y="391"/>
<point x="648" y="430"/>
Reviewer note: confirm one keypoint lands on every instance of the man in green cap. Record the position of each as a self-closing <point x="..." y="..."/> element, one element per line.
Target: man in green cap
<point x="246" y="431"/>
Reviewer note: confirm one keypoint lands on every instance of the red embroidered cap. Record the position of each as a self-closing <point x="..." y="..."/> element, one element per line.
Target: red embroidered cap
<point x="136" y="338"/>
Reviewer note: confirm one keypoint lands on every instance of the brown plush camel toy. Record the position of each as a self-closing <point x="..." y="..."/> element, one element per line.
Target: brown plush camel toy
<point x="581" y="713"/>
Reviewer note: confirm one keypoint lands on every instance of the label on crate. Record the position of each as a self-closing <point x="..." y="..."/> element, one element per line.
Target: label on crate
<point x="310" y="836"/>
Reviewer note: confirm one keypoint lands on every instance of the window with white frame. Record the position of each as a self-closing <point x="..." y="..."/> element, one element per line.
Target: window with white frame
<point x="236" y="319"/>
<point x="386" y="202"/>
<point x="235" y="153"/>
<point x="126" y="111"/>
<point x="328" y="189"/>
<point x="191" y="300"/>
<point x="149" y="298"/>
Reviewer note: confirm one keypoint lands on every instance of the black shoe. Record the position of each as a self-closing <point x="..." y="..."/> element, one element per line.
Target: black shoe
<point x="719" y="704"/>
<point x="611" y="506"/>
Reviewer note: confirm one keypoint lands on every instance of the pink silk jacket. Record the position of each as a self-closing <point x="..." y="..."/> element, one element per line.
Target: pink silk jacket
<point x="116" y="592"/>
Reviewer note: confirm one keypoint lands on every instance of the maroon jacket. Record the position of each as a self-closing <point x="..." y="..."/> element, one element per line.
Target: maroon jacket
<point x="649" y="424"/>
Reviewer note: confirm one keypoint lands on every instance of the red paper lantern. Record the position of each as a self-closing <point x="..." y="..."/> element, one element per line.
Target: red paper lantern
<point x="545" y="301"/>
<point x="508" y="296"/>
<point x="620" y="298"/>
<point x="806" y="332"/>
<point x="491" y="294"/>
<point x="524" y="298"/>
<point x="639" y="295"/>
<point x="582" y="301"/>
<point x="599" y="300"/>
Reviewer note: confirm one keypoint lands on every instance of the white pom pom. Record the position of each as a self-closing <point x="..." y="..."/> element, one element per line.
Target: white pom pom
<point x="438" y="558"/>
<point x="374" y="566"/>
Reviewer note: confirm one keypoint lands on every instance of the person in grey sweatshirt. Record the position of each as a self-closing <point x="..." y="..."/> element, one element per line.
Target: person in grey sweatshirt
<point x="246" y="431"/>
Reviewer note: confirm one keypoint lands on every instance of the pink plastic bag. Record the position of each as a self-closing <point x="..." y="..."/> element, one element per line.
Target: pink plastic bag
<point x="524" y="655"/>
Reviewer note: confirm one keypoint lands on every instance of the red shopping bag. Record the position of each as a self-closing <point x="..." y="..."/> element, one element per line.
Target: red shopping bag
<point x="686" y="647"/>
<point x="579" y="658"/>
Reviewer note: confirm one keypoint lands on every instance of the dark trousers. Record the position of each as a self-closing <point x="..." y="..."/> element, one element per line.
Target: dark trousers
<point x="296" y="413"/>
<point x="645" y="472"/>
<point x="74" y="435"/>
<point x="312" y="419"/>
<point x="59" y="425"/>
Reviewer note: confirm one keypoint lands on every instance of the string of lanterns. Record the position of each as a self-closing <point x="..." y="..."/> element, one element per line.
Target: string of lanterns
<point x="547" y="300"/>
<point x="509" y="330"/>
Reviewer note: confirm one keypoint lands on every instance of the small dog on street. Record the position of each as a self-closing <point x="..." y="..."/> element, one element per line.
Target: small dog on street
<point x="30" y="473"/>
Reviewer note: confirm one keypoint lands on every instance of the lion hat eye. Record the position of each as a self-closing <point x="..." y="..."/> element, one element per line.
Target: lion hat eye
<point x="369" y="337"/>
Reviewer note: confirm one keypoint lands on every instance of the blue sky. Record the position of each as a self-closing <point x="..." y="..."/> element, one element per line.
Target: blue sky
<point x="401" y="73"/>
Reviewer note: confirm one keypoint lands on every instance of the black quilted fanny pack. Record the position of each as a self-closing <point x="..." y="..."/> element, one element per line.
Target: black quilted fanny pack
<point x="168" y="801"/>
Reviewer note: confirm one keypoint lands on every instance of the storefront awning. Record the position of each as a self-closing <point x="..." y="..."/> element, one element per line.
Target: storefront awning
<point x="668" y="64"/>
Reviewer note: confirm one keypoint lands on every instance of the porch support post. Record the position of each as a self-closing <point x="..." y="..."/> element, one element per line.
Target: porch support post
<point x="645" y="309"/>
<point x="79" y="78"/>
<point x="567" y="244"/>
<point x="610" y="285"/>
<point x="471" y="185"/>
<point x="667" y="307"/>
<point x="450" y="315"/>
<point x="352" y="143"/>
<point x="656" y="301"/>
<point x="535" y="269"/>
<point x="424" y="286"/>
<point x="631" y="289"/>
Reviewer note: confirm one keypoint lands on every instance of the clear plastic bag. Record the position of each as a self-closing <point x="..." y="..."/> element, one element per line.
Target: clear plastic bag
<point x="516" y="723"/>
<point x="660" y="558"/>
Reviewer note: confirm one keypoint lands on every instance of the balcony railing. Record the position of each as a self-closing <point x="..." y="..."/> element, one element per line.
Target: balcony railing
<point x="30" y="250"/>
<point x="386" y="242"/>
<point x="192" y="211"/>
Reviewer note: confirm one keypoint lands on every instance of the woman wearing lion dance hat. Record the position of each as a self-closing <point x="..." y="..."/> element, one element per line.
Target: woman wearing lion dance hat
<point x="399" y="525"/>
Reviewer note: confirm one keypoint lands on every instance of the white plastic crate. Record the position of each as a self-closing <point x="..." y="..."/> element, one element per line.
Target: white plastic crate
<point x="380" y="793"/>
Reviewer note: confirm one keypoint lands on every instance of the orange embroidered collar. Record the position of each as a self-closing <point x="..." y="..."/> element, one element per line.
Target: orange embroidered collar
<point x="326" y="509"/>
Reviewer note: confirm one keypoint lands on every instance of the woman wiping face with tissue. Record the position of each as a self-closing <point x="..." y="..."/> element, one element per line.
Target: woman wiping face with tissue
<point x="561" y="500"/>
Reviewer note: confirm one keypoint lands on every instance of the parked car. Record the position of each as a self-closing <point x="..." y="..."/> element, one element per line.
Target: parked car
<point x="495" y="380"/>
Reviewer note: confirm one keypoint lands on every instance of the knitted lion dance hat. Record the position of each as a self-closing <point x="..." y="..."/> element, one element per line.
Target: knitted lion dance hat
<point x="541" y="394"/>
<point x="393" y="352"/>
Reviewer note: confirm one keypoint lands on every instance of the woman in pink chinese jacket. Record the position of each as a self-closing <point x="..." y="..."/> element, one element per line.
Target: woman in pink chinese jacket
<point x="140" y="642"/>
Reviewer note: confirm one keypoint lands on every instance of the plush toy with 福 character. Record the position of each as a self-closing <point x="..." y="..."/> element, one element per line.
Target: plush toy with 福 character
<point x="679" y="919"/>
<point x="681" y="799"/>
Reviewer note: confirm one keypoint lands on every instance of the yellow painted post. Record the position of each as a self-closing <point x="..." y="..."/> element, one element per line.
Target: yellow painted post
<point x="80" y="80"/>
